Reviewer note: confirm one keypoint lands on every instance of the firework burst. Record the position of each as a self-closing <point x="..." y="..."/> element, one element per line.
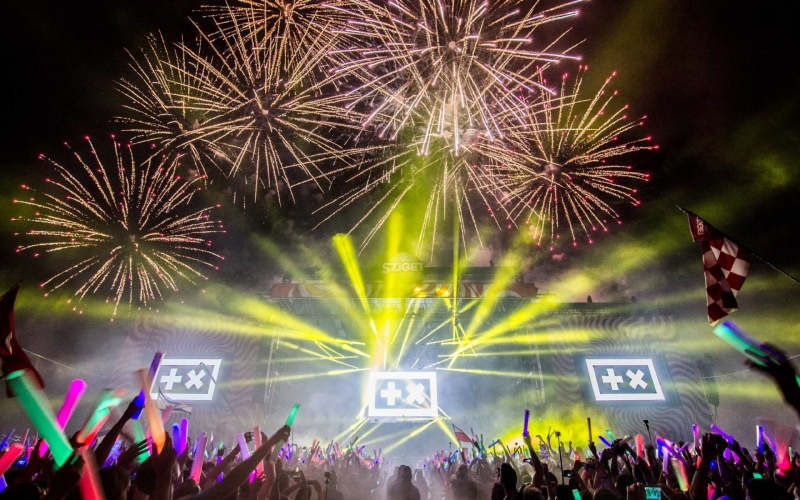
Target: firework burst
<point x="447" y="68"/>
<point x="163" y="109"/>
<point x="284" y="127"/>
<point x="130" y="226"/>
<point x="563" y="168"/>
<point x="283" y="27"/>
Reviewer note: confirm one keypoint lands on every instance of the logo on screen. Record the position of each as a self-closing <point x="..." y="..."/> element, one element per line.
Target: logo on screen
<point x="624" y="380"/>
<point x="186" y="379"/>
<point x="402" y="394"/>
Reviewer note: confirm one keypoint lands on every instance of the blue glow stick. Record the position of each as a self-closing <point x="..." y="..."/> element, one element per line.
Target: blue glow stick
<point x="605" y="441"/>
<point x="4" y="444"/>
<point x="525" y="423"/>
<point x="140" y="399"/>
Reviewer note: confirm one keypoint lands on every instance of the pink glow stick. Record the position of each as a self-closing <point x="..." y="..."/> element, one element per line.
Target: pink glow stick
<point x="8" y="458"/>
<point x="71" y="400"/>
<point x="640" y="445"/>
<point x="154" y="420"/>
<point x="89" y="483"/>
<point x="184" y="435"/>
<point x="197" y="464"/>
<point x="257" y="441"/>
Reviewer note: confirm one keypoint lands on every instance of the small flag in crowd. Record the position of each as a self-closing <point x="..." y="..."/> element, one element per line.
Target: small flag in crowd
<point x="11" y="354"/>
<point x="726" y="265"/>
<point x="461" y="435"/>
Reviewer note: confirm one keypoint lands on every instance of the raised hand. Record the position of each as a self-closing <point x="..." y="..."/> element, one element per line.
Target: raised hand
<point x="129" y="455"/>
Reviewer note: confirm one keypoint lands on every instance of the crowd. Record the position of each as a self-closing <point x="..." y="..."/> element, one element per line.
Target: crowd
<point x="713" y="467"/>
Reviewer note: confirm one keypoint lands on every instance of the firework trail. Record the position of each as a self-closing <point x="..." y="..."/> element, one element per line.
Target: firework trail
<point x="133" y="228"/>
<point x="163" y="109"/>
<point x="563" y="168"/>
<point x="445" y="69"/>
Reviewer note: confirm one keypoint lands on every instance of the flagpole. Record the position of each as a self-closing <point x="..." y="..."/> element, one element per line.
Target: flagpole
<point x="749" y="250"/>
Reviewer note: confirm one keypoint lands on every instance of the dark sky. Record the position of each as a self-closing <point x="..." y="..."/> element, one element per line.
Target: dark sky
<point x="719" y="80"/>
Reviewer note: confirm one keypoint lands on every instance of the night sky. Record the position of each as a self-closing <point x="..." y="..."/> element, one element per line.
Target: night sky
<point x="719" y="81"/>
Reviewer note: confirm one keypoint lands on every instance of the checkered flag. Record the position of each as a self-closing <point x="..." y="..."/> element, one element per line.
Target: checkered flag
<point x="726" y="265"/>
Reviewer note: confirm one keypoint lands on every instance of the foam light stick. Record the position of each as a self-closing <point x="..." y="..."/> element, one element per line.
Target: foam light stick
<point x="640" y="445"/>
<point x="138" y="437"/>
<point x="4" y="444"/>
<point x="243" y="449"/>
<point x="722" y="433"/>
<point x="525" y="423"/>
<point x="37" y="408"/>
<point x="89" y="484"/>
<point x="71" y="400"/>
<point x="696" y="434"/>
<point x="184" y="439"/>
<point x="605" y="441"/>
<point x="153" y="414"/>
<point x="290" y="422"/>
<point x="8" y="458"/>
<point x="760" y="438"/>
<point x="589" y="425"/>
<point x="680" y="474"/>
<point x="108" y="400"/>
<point x="3" y="484"/>
<point x="197" y="464"/>
<point x="176" y="437"/>
<point x="140" y="399"/>
<point x="731" y="333"/>
<point x="610" y="436"/>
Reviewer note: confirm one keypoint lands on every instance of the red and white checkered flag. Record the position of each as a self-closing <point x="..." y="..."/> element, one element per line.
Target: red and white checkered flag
<point x="726" y="265"/>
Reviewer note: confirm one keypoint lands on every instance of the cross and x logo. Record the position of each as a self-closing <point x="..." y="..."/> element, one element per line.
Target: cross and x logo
<point x="186" y="379"/>
<point x="402" y="394"/>
<point x="624" y="380"/>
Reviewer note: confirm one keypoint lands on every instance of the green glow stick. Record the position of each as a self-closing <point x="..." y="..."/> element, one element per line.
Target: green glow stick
<point x="138" y="437"/>
<point x="292" y="415"/>
<point x="731" y="333"/>
<point x="289" y="421"/>
<point x="40" y="413"/>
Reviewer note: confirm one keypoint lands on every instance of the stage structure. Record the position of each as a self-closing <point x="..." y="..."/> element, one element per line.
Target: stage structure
<point x="427" y="346"/>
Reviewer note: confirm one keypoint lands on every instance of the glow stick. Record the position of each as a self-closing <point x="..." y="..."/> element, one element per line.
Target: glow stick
<point x="176" y="438"/>
<point x="8" y="458"/>
<point x="680" y="474"/>
<point x="589" y="425"/>
<point x="664" y="460"/>
<point x="74" y="394"/>
<point x="138" y="437"/>
<point x="184" y="435"/>
<point x="243" y="449"/>
<point x="722" y="433"/>
<point x="289" y="422"/>
<point x="610" y="436"/>
<point x="640" y="445"/>
<point x="140" y="399"/>
<point x="4" y="444"/>
<point x="760" y="438"/>
<point x="605" y="441"/>
<point x="3" y="484"/>
<point x="197" y="464"/>
<point x="741" y="341"/>
<point x="257" y="443"/>
<point x="525" y="424"/>
<point x="89" y="484"/>
<point x="696" y="433"/>
<point x="108" y="400"/>
<point x="153" y="414"/>
<point x="37" y="408"/>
